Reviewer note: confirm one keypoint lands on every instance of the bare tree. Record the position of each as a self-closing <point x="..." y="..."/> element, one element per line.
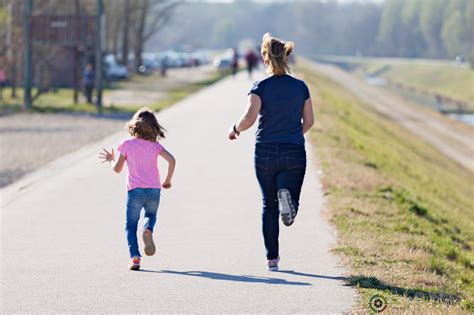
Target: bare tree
<point x="149" y="17"/>
<point x="125" y="32"/>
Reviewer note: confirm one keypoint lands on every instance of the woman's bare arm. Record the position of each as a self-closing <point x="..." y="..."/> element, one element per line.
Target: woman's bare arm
<point x="308" y="115"/>
<point x="249" y="117"/>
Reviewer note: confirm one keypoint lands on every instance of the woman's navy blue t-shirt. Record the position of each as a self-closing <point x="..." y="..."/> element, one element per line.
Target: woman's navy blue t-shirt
<point x="282" y="99"/>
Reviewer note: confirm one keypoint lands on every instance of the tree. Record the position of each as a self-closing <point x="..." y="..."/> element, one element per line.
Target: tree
<point x="456" y="31"/>
<point x="431" y="21"/>
<point x="389" y="35"/>
<point x="149" y="16"/>
<point x="125" y="32"/>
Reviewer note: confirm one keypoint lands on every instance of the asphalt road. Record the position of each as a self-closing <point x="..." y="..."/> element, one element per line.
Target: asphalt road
<point x="64" y="246"/>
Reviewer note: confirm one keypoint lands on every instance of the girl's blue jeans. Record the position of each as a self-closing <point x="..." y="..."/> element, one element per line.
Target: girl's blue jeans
<point x="278" y="165"/>
<point x="138" y="198"/>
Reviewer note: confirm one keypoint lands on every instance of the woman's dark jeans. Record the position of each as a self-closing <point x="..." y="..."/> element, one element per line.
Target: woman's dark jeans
<point x="278" y="165"/>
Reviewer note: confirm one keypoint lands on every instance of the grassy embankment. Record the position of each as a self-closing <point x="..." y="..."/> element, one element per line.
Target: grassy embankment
<point x="61" y="99"/>
<point x="404" y="212"/>
<point x="445" y="78"/>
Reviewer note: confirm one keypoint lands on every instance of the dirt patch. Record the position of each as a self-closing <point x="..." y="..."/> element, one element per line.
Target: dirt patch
<point x="29" y="141"/>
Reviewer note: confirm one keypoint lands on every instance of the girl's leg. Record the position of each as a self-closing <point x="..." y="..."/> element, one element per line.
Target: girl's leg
<point x="134" y="205"/>
<point x="151" y="208"/>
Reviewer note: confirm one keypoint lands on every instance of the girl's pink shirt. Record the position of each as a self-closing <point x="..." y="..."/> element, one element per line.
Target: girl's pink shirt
<point x="142" y="163"/>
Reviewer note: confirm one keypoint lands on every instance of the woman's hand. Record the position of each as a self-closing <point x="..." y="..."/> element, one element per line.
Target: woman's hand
<point x="166" y="184"/>
<point x="232" y="134"/>
<point x="107" y="156"/>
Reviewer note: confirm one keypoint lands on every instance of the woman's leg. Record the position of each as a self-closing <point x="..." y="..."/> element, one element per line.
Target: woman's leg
<point x="292" y="172"/>
<point x="134" y="206"/>
<point x="265" y="170"/>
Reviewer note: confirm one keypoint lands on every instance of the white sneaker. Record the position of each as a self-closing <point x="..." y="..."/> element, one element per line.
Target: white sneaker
<point x="286" y="207"/>
<point x="272" y="264"/>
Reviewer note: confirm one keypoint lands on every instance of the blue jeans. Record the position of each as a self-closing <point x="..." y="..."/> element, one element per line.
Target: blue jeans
<point x="138" y="198"/>
<point x="278" y="165"/>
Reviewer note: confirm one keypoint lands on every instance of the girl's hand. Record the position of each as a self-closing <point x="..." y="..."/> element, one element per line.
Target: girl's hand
<point x="232" y="134"/>
<point x="166" y="184"/>
<point x="107" y="156"/>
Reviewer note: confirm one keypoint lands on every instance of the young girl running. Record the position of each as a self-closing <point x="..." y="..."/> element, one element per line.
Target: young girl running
<point x="143" y="178"/>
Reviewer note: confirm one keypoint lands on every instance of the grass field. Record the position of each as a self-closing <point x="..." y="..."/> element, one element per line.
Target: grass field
<point x="445" y="78"/>
<point x="404" y="212"/>
<point x="61" y="100"/>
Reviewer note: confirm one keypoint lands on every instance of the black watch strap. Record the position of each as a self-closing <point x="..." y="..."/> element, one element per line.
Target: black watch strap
<point x="235" y="130"/>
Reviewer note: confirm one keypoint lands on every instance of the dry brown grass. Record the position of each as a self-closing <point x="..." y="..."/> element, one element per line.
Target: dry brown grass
<point x="403" y="211"/>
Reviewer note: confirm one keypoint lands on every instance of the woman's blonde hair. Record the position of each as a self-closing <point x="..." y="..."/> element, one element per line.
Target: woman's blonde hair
<point x="276" y="52"/>
<point x="144" y="125"/>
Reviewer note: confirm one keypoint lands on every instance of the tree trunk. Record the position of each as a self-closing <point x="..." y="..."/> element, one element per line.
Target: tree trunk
<point x="116" y="38"/>
<point x="140" y="35"/>
<point x="126" y="20"/>
<point x="138" y="56"/>
<point x="13" y="78"/>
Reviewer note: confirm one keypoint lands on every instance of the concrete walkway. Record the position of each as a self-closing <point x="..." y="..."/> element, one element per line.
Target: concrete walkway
<point x="64" y="247"/>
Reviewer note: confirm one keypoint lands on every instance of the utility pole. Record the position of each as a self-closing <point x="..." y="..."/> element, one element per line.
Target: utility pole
<point x="100" y="25"/>
<point x="77" y="32"/>
<point x="10" y="48"/>
<point x="27" y="52"/>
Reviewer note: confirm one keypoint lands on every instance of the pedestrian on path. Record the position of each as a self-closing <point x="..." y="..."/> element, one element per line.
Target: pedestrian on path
<point x="143" y="178"/>
<point x="235" y="61"/>
<point x="285" y="112"/>
<point x="88" y="77"/>
<point x="251" y="60"/>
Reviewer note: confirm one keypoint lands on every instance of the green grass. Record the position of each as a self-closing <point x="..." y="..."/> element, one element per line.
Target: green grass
<point x="404" y="212"/>
<point x="61" y="100"/>
<point x="444" y="78"/>
<point x="453" y="81"/>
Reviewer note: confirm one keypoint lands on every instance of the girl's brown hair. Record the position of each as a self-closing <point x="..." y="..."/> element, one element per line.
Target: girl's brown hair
<point x="276" y="52"/>
<point x="144" y="125"/>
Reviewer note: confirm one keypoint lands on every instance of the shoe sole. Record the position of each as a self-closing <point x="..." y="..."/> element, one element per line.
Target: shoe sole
<point x="134" y="267"/>
<point x="149" y="244"/>
<point x="273" y="268"/>
<point x="286" y="207"/>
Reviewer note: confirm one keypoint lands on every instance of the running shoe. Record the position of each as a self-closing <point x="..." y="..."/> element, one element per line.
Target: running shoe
<point x="272" y="264"/>
<point x="149" y="244"/>
<point x="134" y="263"/>
<point x="286" y="207"/>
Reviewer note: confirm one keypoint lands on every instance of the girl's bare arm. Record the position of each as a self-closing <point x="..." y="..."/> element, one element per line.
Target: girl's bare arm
<point x="171" y="165"/>
<point x="107" y="156"/>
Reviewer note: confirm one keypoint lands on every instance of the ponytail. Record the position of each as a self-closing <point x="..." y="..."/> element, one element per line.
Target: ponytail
<point x="276" y="52"/>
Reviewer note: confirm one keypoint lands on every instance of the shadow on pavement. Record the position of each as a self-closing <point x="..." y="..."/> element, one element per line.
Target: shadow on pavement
<point x="228" y="277"/>
<point x="296" y="273"/>
<point x="413" y="293"/>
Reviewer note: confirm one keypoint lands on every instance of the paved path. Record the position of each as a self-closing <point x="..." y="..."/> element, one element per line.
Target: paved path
<point x="454" y="143"/>
<point x="63" y="240"/>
